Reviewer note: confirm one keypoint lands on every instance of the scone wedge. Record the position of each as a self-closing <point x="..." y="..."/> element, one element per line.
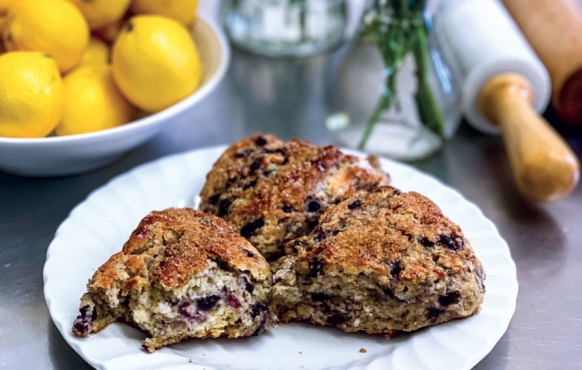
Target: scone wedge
<point x="181" y="274"/>
<point x="274" y="191"/>
<point x="380" y="262"/>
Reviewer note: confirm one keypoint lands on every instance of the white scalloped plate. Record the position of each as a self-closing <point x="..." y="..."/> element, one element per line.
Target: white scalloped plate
<point x="99" y="226"/>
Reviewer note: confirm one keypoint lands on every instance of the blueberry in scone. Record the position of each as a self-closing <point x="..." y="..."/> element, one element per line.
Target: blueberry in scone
<point x="274" y="191"/>
<point x="380" y="262"/>
<point x="181" y="274"/>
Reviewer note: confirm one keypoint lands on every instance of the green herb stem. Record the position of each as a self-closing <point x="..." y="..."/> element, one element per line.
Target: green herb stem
<point x="302" y="7"/>
<point x="380" y="107"/>
<point x="390" y="43"/>
<point x="399" y="28"/>
<point x="426" y="104"/>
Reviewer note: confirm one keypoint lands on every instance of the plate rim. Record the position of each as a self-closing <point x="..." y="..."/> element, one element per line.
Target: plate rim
<point x="470" y="360"/>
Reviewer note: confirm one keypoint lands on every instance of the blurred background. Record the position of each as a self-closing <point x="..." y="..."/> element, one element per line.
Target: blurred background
<point x="393" y="78"/>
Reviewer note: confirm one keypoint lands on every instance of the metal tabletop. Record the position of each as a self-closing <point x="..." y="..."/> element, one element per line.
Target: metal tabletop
<point x="286" y="97"/>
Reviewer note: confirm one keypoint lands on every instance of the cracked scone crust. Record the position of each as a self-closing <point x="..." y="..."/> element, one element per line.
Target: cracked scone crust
<point x="181" y="274"/>
<point x="274" y="191"/>
<point x="380" y="262"/>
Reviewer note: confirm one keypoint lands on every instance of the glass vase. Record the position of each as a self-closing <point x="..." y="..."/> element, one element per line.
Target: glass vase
<point x="285" y="27"/>
<point x="402" y="106"/>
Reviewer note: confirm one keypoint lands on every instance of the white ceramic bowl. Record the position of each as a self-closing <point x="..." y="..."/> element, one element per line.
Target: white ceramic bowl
<point x="67" y="155"/>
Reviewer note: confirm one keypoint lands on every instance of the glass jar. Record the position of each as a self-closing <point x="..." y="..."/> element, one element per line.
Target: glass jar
<point x="388" y="98"/>
<point x="285" y="27"/>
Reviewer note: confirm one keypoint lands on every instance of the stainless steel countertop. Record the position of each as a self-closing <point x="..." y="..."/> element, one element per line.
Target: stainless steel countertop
<point x="286" y="97"/>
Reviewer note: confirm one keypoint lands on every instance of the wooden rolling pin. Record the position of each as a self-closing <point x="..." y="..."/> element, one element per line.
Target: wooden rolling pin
<point x="543" y="165"/>
<point x="503" y="85"/>
<point x="554" y="29"/>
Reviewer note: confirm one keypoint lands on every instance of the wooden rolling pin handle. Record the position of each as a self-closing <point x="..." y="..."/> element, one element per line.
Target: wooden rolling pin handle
<point x="544" y="166"/>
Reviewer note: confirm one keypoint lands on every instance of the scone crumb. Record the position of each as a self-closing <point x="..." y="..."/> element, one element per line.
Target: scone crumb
<point x="363" y="350"/>
<point x="190" y="361"/>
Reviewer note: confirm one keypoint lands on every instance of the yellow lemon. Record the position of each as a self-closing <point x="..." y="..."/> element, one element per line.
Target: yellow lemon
<point x="92" y="101"/>
<point x="184" y="11"/>
<point x="96" y="53"/>
<point x="31" y="94"/>
<point x="155" y="62"/>
<point x="55" y="27"/>
<point x="5" y="4"/>
<point x="100" y="13"/>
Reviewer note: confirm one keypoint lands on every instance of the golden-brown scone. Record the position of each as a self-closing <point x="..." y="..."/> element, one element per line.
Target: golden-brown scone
<point x="380" y="262"/>
<point x="273" y="191"/>
<point x="181" y="274"/>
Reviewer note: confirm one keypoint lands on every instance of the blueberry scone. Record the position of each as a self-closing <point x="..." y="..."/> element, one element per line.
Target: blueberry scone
<point x="380" y="262"/>
<point x="181" y="274"/>
<point x="274" y="191"/>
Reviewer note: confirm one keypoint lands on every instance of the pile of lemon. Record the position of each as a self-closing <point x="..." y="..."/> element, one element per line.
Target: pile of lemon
<point x="76" y="66"/>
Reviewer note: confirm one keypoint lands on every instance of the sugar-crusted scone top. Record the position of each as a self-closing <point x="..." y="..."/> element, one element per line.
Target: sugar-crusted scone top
<point x="391" y="233"/>
<point x="174" y="244"/>
<point x="191" y="240"/>
<point x="274" y="191"/>
<point x="380" y="262"/>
